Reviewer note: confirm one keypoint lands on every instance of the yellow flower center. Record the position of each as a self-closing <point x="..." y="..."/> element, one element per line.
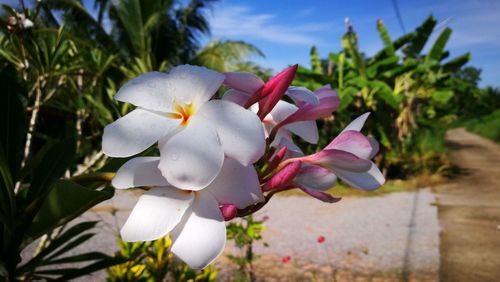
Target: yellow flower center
<point x="183" y="111"/>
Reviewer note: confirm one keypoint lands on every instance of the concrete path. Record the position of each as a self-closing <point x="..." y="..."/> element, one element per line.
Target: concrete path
<point x="393" y="237"/>
<point x="469" y="211"/>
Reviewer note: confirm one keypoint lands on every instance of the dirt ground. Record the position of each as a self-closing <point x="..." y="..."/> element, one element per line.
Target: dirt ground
<point x="469" y="211"/>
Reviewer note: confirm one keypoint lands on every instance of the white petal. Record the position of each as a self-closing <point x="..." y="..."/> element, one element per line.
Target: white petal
<point x="283" y="138"/>
<point x="192" y="158"/>
<point x="293" y="151"/>
<point x="156" y="213"/>
<point x="236" y="96"/>
<point x="200" y="237"/>
<point x="149" y="90"/>
<point x="282" y="110"/>
<point x="141" y="171"/>
<point x="157" y="91"/>
<point x="135" y="132"/>
<point x="236" y="184"/>
<point x="306" y="130"/>
<point x="302" y="95"/>
<point x="370" y="180"/>
<point x="240" y="130"/>
<point x="193" y="84"/>
<point x="358" y="123"/>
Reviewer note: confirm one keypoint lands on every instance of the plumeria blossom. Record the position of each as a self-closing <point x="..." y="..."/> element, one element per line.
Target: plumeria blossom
<point x="194" y="219"/>
<point x="285" y="117"/>
<point x="205" y="174"/>
<point x="347" y="157"/>
<point x="194" y="132"/>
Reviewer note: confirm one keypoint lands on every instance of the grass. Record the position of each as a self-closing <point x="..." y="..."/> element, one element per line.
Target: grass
<point x="487" y="126"/>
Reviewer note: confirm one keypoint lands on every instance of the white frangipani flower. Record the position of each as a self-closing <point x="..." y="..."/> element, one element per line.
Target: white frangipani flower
<point x="195" y="133"/>
<point x="193" y="218"/>
<point x="307" y="130"/>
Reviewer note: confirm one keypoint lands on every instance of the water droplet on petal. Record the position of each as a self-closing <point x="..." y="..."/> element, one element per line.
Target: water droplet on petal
<point x="174" y="157"/>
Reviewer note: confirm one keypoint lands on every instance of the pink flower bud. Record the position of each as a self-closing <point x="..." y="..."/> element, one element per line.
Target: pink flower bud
<point x="274" y="90"/>
<point x="228" y="211"/>
<point x="284" y="177"/>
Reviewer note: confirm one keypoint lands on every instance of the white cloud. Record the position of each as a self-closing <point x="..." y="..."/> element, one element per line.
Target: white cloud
<point x="241" y="22"/>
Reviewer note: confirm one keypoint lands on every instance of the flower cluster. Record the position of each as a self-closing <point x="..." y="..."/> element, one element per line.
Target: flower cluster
<point x="222" y="158"/>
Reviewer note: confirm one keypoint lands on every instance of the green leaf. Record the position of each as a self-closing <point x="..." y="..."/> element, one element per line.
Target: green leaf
<point x="65" y="201"/>
<point x="315" y="60"/>
<point x="386" y="38"/>
<point x="346" y="96"/>
<point x="79" y="258"/>
<point x="455" y="64"/>
<point x="442" y="96"/>
<point x="101" y="264"/>
<point x="375" y="68"/>
<point x="12" y="118"/>
<point x="52" y="166"/>
<point x="385" y="92"/>
<point x="421" y="36"/>
<point x="71" y="245"/>
<point x="437" y="49"/>
<point x="56" y="243"/>
<point x="7" y="197"/>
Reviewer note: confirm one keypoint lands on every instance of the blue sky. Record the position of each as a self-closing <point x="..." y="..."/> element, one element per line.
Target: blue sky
<point x="285" y="30"/>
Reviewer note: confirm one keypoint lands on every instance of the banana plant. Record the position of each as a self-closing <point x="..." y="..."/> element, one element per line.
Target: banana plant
<point x="403" y="87"/>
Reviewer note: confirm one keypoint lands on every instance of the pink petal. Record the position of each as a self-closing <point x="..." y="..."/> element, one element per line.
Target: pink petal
<point x="274" y="90"/>
<point x="243" y="81"/>
<point x="236" y="96"/>
<point x="375" y="147"/>
<point x="283" y="177"/>
<point x="328" y="102"/>
<point x="353" y="142"/>
<point x="301" y="95"/>
<point x="322" y="196"/>
<point x="315" y="178"/>
<point x="333" y="159"/>
<point x="228" y="211"/>
<point x="278" y="157"/>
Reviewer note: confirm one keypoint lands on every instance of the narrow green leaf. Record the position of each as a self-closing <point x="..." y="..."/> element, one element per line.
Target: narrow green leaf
<point x="422" y="34"/>
<point x="53" y="165"/>
<point x="438" y="47"/>
<point x="71" y="245"/>
<point x="78" y="258"/>
<point x="456" y="63"/>
<point x="315" y="60"/>
<point x="65" y="201"/>
<point x="386" y="38"/>
<point x="12" y="118"/>
<point x="101" y="264"/>
<point x="55" y="244"/>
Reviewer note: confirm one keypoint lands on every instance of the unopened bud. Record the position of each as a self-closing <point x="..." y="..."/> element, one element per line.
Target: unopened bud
<point x="228" y="211"/>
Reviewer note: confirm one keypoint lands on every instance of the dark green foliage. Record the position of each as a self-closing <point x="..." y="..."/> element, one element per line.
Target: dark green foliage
<point x="34" y="199"/>
<point x="407" y="92"/>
